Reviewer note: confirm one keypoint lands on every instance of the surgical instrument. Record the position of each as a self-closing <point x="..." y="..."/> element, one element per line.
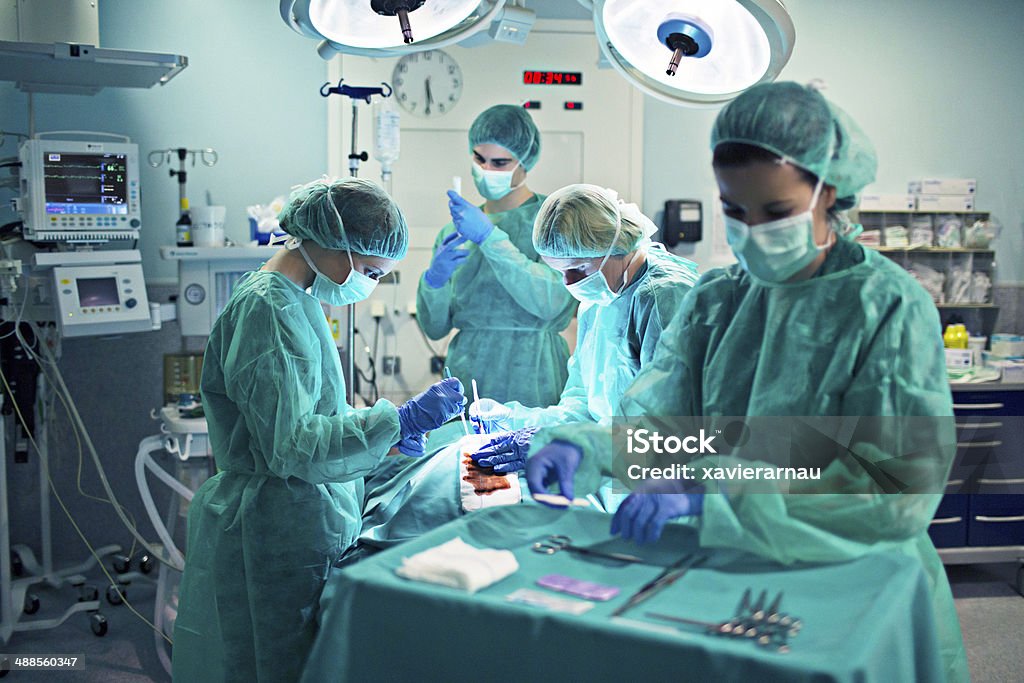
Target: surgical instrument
<point x="768" y="626"/>
<point x="557" y="542"/>
<point x="666" y="578"/>
<point x="465" y="427"/>
<point x="476" y="400"/>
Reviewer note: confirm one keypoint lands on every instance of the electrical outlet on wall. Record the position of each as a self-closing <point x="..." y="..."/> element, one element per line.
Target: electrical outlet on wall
<point x="392" y="365"/>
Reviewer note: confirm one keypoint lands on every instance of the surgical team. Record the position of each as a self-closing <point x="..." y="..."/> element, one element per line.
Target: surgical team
<point x="655" y="336"/>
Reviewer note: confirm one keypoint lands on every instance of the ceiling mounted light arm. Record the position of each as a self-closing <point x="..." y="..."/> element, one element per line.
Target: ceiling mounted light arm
<point x="714" y="50"/>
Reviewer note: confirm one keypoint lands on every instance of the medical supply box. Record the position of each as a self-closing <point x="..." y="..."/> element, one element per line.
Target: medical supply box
<point x="888" y="202"/>
<point x="952" y="186"/>
<point x="955" y="203"/>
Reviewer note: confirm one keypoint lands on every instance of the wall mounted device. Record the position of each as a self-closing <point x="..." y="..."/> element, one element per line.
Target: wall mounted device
<point x="98" y="292"/>
<point x="682" y="221"/>
<point x="79" y="191"/>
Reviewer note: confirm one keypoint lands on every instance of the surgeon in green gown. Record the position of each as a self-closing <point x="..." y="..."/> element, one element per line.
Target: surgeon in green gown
<point x="629" y="288"/>
<point x="808" y="323"/>
<point x="264" y="533"/>
<point x="487" y="281"/>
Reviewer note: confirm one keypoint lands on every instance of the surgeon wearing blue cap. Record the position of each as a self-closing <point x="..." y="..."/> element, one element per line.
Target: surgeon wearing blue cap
<point x="265" y="531"/>
<point x="487" y="280"/>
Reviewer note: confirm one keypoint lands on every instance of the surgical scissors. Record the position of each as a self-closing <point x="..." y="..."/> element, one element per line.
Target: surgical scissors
<point x="557" y="542"/>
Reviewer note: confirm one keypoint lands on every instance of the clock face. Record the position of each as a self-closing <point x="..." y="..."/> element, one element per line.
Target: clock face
<point x="427" y="84"/>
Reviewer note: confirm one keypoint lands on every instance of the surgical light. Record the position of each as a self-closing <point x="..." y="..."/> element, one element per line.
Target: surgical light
<point x="370" y="28"/>
<point x="695" y="52"/>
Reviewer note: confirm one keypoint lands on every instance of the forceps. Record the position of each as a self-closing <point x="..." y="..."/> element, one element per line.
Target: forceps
<point x="557" y="542"/>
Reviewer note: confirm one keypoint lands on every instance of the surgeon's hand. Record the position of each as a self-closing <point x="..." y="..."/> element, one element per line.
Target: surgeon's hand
<point x="644" y="513"/>
<point x="469" y="220"/>
<point x="414" y="445"/>
<point x="446" y="259"/>
<point x="431" y="409"/>
<point x="556" y="462"/>
<point x="489" y="412"/>
<point x="506" y="453"/>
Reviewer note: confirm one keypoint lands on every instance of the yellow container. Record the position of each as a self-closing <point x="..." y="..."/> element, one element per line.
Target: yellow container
<point x="182" y="372"/>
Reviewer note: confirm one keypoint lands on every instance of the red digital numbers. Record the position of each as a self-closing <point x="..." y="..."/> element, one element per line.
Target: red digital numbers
<point x="552" y="78"/>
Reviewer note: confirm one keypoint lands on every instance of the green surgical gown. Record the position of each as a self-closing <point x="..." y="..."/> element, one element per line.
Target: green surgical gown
<point x="509" y="308"/>
<point x="860" y="338"/>
<point x="614" y="342"/>
<point x="264" y="532"/>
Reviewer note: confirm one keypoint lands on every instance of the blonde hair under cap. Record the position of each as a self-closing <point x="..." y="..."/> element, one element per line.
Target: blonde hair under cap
<point x="579" y="221"/>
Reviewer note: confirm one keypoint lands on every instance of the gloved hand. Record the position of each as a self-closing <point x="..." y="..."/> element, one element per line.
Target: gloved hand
<point x="446" y="259"/>
<point x="469" y="220"/>
<point x="490" y="413"/>
<point x="642" y="516"/>
<point x="556" y="462"/>
<point x="414" y="445"/>
<point x="507" y="453"/>
<point x="431" y="409"/>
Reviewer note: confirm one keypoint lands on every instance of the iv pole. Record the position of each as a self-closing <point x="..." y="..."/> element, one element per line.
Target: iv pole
<point x="354" y="93"/>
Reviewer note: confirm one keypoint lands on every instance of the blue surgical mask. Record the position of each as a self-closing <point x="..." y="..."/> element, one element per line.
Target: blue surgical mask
<point x="356" y="287"/>
<point x="774" y="252"/>
<point x="493" y="185"/>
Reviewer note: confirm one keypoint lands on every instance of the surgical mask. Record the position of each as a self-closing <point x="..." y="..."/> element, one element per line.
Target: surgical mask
<point x="774" y="252"/>
<point x="356" y="287"/>
<point x="493" y="185"/>
<point x="594" y="287"/>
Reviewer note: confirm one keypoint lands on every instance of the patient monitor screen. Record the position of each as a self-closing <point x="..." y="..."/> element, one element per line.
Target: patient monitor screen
<point x="85" y="183"/>
<point x="97" y="291"/>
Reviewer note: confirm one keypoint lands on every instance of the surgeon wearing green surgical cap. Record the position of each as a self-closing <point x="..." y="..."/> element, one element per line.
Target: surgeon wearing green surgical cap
<point x="808" y="323"/>
<point x="629" y="288"/>
<point x="487" y="281"/>
<point x="264" y="532"/>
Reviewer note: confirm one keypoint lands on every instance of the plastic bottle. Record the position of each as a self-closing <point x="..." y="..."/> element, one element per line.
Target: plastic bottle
<point x="949" y="337"/>
<point x="962" y="337"/>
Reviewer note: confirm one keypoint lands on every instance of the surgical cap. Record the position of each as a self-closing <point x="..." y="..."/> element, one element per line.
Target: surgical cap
<point x="349" y="214"/>
<point x="801" y="126"/>
<point x="511" y="127"/>
<point x="579" y="221"/>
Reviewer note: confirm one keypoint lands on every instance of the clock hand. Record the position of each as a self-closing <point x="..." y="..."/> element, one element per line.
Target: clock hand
<point x="430" y="97"/>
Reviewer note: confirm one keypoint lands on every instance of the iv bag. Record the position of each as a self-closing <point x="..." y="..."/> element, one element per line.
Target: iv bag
<point x="385" y="133"/>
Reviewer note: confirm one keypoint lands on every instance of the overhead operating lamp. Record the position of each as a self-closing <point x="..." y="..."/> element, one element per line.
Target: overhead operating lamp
<point x="695" y="53"/>
<point x="376" y="28"/>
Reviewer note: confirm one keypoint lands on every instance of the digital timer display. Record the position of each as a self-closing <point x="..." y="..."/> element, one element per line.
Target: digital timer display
<point x="552" y="78"/>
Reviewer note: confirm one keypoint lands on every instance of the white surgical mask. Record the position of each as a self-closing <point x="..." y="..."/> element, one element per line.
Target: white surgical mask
<point x="493" y="185"/>
<point x="594" y="287"/>
<point x="774" y="252"/>
<point x="356" y="287"/>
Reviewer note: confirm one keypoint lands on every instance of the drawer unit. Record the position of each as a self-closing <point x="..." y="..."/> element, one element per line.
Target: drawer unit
<point x="949" y="528"/>
<point x="996" y="520"/>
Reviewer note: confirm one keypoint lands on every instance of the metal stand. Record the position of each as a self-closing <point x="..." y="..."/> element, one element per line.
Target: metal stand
<point x="354" y="93"/>
<point x="15" y="600"/>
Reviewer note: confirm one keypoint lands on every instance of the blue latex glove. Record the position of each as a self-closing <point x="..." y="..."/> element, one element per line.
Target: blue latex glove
<point x="446" y="259"/>
<point x="556" y="462"/>
<point x="644" y="513"/>
<point x="469" y="220"/>
<point x="431" y="409"/>
<point x="506" y="453"/>
<point x="414" y="445"/>
<point x="488" y="415"/>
